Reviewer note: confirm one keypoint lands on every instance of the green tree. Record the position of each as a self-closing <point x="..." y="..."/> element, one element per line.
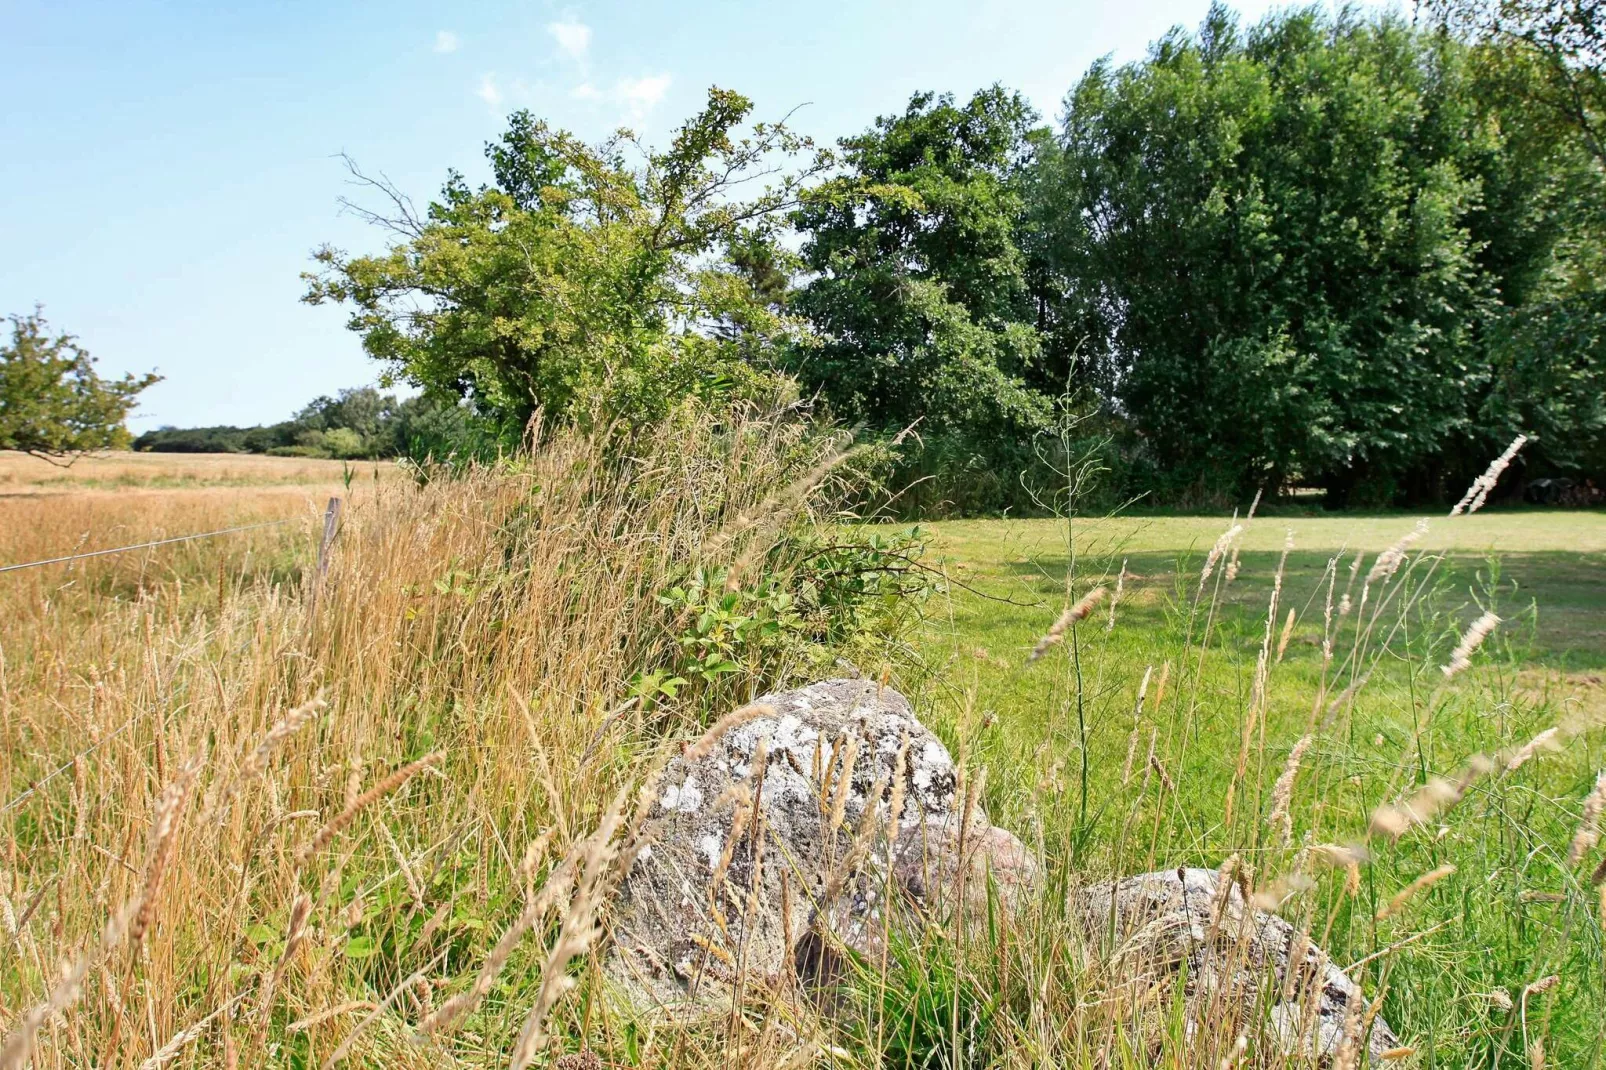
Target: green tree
<point x="1565" y="39"/>
<point x="577" y="282"/>
<point x="52" y="403"/>
<point x="919" y="291"/>
<point x="1283" y="250"/>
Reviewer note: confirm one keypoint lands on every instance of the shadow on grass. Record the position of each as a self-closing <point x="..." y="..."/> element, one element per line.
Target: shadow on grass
<point x="1554" y="602"/>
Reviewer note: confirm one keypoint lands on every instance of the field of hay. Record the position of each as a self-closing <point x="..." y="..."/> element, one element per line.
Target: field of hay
<point x="255" y="816"/>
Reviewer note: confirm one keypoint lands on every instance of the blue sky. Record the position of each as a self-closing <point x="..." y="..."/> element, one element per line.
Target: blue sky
<point x="168" y="168"/>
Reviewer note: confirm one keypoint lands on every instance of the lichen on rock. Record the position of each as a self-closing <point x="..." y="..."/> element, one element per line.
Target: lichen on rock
<point x="1243" y="965"/>
<point x="806" y="789"/>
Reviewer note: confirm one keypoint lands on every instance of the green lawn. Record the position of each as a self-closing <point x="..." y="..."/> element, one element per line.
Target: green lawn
<point x="1068" y="762"/>
<point x="1553" y="562"/>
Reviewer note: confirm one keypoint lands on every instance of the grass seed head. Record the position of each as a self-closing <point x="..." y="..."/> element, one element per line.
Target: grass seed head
<point x="1056" y="633"/>
<point x="1461" y="657"/>
<point x="1416" y="887"/>
<point x="1588" y="834"/>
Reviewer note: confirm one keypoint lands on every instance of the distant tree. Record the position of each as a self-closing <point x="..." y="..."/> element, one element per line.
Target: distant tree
<point x="52" y="404"/>
<point x="221" y="439"/>
<point x="363" y="411"/>
<point x="357" y="423"/>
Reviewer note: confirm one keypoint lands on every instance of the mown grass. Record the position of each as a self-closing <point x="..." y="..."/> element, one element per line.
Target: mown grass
<point x="1550" y="560"/>
<point x="1514" y="913"/>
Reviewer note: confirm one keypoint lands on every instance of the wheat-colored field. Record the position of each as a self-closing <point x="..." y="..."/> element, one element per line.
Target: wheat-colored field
<point x="24" y="475"/>
<point x="258" y="817"/>
<point x="111" y="500"/>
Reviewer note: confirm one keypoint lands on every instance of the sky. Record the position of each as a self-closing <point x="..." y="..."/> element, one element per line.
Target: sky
<point x="169" y="168"/>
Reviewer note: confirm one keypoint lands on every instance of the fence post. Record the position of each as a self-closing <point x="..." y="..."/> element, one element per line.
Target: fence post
<point x="331" y="519"/>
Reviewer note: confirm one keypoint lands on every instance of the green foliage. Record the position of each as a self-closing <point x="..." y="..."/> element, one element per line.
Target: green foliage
<point x="1282" y="248"/>
<point x="839" y="594"/>
<point x="577" y="283"/>
<point x="52" y="403"/>
<point x="1549" y="364"/>
<point x="1338" y="251"/>
<point x="930" y="1011"/>
<point x="919" y="289"/>
<point x="1564" y="42"/>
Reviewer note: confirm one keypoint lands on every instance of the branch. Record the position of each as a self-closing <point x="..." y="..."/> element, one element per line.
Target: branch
<point x="406" y="220"/>
<point x="55" y="458"/>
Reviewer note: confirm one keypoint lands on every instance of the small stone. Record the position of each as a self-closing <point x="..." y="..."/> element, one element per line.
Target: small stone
<point x="1145" y="927"/>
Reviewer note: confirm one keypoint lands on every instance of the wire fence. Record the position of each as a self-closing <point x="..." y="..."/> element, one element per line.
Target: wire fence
<point x="147" y="545"/>
<point x="330" y="522"/>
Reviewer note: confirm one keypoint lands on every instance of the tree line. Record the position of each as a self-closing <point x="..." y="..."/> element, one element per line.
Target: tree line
<point x="357" y="424"/>
<point x="1353" y="252"/>
<point x="1337" y="251"/>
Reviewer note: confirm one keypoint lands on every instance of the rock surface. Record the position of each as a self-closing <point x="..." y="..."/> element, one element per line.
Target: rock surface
<point x="771" y="843"/>
<point x="773" y="846"/>
<point x="1146" y="927"/>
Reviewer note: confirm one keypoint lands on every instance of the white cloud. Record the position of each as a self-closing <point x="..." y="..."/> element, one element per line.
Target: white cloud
<point x="637" y="97"/>
<point x="573" y="37"/>
<point x="489" y="92"/>
<point x="642" y="95"/>
<point x="446" y="41"/>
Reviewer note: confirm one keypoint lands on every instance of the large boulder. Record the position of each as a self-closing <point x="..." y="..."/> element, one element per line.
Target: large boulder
<point x="773" y="846"/>
<point x="1241" y="962"/>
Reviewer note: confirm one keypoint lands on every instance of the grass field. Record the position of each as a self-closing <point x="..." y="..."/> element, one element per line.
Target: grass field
<point x="1548" y="565"/>
<point x="22" y="475"/>
<point x="1167" y="788"/>
<point x="490" y="625"/>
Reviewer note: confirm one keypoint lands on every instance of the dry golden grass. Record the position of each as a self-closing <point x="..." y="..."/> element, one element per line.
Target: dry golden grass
<point x="136" y="699"/>
<point x="122" y="471"/>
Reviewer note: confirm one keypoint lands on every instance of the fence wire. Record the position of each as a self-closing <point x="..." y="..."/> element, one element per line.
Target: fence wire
<point x="148" y="545"/>
<point x="34" y="787"/>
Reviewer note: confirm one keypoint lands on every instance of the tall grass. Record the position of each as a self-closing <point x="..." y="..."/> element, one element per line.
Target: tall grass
<point x="319" y="801"/>
<point x="255" y="817"/>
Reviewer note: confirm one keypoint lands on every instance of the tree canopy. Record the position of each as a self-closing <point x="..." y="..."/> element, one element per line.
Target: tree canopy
<point x="1344" y="251"/>
<point x="52" y="403"/>
<point x="1287" y="248"/>
<point x="583" y="283"/>
<point x="918" y="285"/>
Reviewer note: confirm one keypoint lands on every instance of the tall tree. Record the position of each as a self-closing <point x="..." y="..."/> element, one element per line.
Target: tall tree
<point x="918" y="288"/>
<point x="52" y="403"/>
<point x="1276" y="244"/>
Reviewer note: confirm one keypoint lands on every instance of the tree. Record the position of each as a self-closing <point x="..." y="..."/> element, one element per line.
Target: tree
<point x="1278" y="246"/>
<point x="576" y="282"/>
<point x="52" y="404"/>
<point x="1567" y="38"/>
<point x="918" y="290"/>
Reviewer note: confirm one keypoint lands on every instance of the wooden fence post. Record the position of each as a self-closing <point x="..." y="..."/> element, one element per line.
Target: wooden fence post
<point x="331" y="520"/>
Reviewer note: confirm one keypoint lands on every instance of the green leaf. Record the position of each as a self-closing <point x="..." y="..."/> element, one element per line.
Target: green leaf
<point x="262" y="933"/>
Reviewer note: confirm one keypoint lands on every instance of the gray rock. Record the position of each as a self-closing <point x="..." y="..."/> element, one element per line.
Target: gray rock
<point x="1238" y="959"/>
<point x="811" y="866"/>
